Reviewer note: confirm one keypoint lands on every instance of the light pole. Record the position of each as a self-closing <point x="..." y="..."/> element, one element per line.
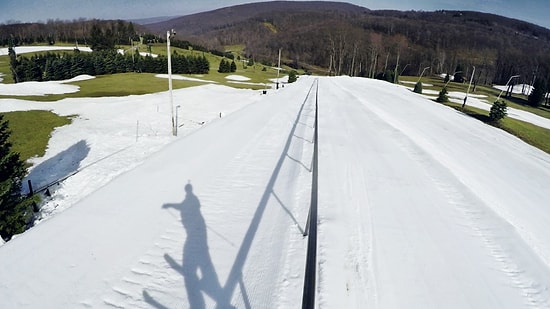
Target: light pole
<point x="450" y="79"/>
<point x="468" y="91"/>
<point x="177" y="122"/>
<point x="422" y="73"/>
<point x="512" y="77"/>
<point x="278" y="69"/>
<point x="168" y="35"/>
<point x="404" y="69"/>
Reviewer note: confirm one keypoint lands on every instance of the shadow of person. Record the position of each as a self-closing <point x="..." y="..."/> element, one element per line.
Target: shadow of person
<point x="196" y="256"/>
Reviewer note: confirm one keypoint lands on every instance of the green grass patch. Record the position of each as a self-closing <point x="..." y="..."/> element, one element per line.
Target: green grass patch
<point x="31" y="131"/>
<point x="531" y="134"/>
<point x="5" y="70"/>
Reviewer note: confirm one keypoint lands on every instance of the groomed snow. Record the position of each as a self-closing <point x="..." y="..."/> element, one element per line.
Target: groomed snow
<point x="420" y="206"/>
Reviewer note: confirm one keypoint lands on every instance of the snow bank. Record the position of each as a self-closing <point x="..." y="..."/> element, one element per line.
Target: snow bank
<point x="78" y="78"/>
<point x="144" y="54"/>
<point x="181" y="77"/>
<point x="517" y="89"/>
<point x="34" y="49"/>
<point x="37" y="88"/>
<point x="237" y="78"/>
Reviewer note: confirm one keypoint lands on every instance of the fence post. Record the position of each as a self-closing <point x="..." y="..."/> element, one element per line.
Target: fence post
<point x="31" y="191"/>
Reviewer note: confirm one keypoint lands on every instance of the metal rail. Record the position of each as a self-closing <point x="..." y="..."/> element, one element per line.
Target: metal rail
<point x="308" y="298"/>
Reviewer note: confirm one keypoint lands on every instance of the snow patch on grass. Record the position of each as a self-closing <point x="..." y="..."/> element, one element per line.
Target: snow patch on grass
<point x="237" y="78"/>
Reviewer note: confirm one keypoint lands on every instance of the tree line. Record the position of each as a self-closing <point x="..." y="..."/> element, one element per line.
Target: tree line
<point x="61" y="66"/>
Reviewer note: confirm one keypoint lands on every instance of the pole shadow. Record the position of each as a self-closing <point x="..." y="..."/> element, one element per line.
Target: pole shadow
<point x="198" y="272"/>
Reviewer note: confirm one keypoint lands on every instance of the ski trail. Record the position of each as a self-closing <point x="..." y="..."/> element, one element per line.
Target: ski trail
<point x="422" y="225"/>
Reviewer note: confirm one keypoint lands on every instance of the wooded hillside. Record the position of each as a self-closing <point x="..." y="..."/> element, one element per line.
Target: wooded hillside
<point x="348" y="39"/>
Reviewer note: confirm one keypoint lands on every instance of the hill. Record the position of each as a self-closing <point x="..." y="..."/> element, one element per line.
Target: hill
<point x="349" y="39"/>
<point x="425" y="209"/>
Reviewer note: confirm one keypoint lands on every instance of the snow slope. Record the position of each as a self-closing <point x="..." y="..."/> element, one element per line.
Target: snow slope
<point x="420" y="206"/>
<point x="122" y="245"/>
<point x="424" y="207"/>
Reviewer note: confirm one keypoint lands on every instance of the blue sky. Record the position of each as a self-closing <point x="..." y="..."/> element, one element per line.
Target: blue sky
<point x="534" y="11"/>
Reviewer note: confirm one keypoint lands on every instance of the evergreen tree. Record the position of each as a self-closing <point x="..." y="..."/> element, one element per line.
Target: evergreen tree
<point x="233" y="67"/>
<point x="292" y="76"/>
<point x="537" y="94"/>
<point x="447" y="78"/>
<point x="101" y="41"/>
<point x="15" y="212"/>
<point x="442" y="98"/>
<point x="418" y="87"/>
<point x="498" y="111"/>
<point x="13" y="63"/>
<point x="225" y="66"/>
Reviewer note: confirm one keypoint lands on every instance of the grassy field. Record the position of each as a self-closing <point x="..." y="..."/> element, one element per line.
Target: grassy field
<point x="529" y="133"/>
<point x="31" y="131"/>
<point x="143" y="83"/>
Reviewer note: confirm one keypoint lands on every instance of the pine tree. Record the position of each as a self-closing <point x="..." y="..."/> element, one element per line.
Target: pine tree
<point x="498" y="111"/>
<point x="442" y="98"/>
<point x="13" y="63"/>
<point x="233" y="67"/>
<point x="292" y="76"/>
<point x="15" y="212"/>
<point x="537" y="94"/>
<point x="221" y="69"/>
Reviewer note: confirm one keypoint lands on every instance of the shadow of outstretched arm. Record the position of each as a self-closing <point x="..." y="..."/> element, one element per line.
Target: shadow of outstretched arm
<point x="153" y="302"/>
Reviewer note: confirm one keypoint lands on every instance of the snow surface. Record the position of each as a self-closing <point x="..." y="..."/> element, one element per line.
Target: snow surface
<point x="181" y="77"/>
<point x="237" y="78"/>
<point x="34" y="49"/>
<point x="420" y="206"/>
<point x="42" y="88"/>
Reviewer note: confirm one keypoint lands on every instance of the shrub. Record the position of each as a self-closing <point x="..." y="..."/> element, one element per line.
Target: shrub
<point x="498" y="111"/>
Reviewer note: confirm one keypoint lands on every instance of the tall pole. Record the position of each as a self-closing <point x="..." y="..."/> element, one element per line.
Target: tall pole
<point x="422" y="73"/>
<point x="469" y="85"/>
<point x="174" y="129"/>
<point x="278" y="68"/>
<point x="512" y="77"/>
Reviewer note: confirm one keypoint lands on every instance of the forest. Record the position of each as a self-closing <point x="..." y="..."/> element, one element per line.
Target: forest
<point x="338" y="38"/>
<point x="335" y="38"/>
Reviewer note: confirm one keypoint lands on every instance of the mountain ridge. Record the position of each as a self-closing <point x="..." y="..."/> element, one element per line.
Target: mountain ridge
<point x="350" y="39"/>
